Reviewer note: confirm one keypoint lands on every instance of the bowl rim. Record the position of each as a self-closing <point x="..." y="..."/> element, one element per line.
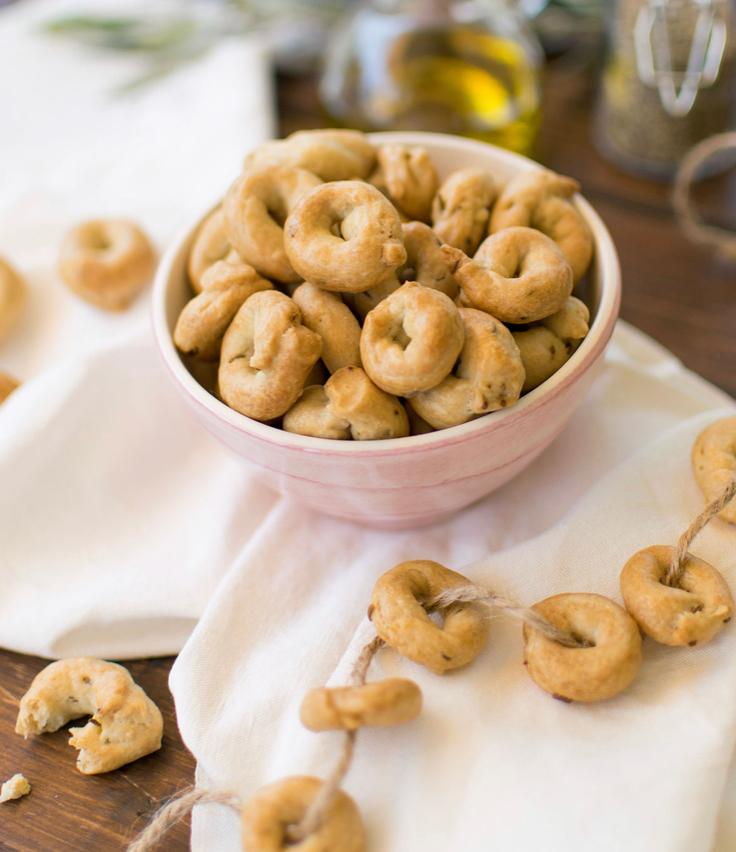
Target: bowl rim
<point x="598" y="336"/>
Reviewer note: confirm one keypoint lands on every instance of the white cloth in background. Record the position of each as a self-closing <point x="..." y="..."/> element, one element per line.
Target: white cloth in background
<point x="492" y="763"/>
<point x="118" y="515"/>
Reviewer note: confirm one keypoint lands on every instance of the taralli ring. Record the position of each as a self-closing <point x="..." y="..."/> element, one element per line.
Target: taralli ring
<point x="691" y="613"/>
<point x="546" y="347"/>
<point x="125" y="723"/>
<point x="461" y="208"/>
<point x="370" y="412"/>
<point x="327" y="315"/>
<point x="606" y="662"/>
<point x="426" y="263"/>
<point x="363" y="303"/>
<point x="7" y="385"/>
<point x="411" y="340"/>
<point x="408" y="177"/>
<point x="488" y="376"/>
<point x="255" y="208"/>
<point x="107" y="262"/>
<point x="542" y="354"/>
<point x="518" y="275"/>
<point x="210" y="244"/>
<point x="12" y="297"/>
<point x="312" y="415"/>
<point x="329" y="154"/>
<point x="345" y="236"/>
<point x="714" y="462"/>
<point x="267" y="817"/>
<point x="542" y="199"/>
<point x="265" y="357"/>
<point x="346" y="708"/>
<point x="205" y="318"/>
<point x="348" y="406"/>
<point x="398" y="612"/>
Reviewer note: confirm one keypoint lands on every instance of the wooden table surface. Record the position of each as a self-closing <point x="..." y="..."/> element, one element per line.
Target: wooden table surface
<point x="681" y="294"/>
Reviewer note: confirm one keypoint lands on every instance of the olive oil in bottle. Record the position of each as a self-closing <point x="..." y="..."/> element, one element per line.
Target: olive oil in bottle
<point x="467" y="67"/>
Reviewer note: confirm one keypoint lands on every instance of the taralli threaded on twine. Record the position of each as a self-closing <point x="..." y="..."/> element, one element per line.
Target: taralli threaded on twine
<point x="677" y="566"/>
<point x="321" y="803"/>
<point x="472" y="592"/>
<point x="176" y="810"/>
<point x="690" y="220"/>
<point x="445" y="602"/>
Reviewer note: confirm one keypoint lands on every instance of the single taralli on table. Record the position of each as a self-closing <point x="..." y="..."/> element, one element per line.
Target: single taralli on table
<point x="454" y="296"/>
<point x="124" y="725"/>
<point x="106" y="262"/>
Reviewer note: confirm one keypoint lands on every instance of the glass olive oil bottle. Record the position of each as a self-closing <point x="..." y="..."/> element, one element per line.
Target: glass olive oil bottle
<point x="469" y="67"/>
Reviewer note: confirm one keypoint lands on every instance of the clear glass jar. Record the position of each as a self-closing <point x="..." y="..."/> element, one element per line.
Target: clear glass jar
<point x="669" y="81"/>
<point x="469" y="67"/>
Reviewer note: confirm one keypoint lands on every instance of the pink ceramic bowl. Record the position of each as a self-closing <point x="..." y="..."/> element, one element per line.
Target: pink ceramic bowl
<point x="405" y="482"/>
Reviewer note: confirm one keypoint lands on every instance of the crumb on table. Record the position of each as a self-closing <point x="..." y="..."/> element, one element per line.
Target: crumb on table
<point x="14" y="788"/>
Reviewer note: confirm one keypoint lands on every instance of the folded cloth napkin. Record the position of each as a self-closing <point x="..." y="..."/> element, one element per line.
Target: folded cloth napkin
<point x="493" y="762"/>
<point x="117" y="514"/>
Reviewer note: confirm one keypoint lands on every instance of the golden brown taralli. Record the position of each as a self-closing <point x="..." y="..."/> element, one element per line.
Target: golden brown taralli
<point x="488" y="376"/>
<point x="691" y="613"/>
<point x="327" y="315"/>
<point x="406" y="174"/>
<point x="107" y="262"/>
<point x="7" y="385"/>
<point x="461" y="208"/>
<point x="13" y="289"/>
<point x="210" y="244"/>
<point x="349" y="406"/>
<point x="345" y="236"/>
<point x="398" y="611"/>
<point x="125" y="723"/>
<point x="311" y="415"/>
<point x="426" y="263"/>
<point x="714" y="462"/>
<point x="371" y="413"/>
<point x="330" y="154"/>
<point x="603" y="668"/>
<point x="256" y="207"/>
<point x="411" y="340"/>
<point x="542" y="354"/>
<point x="547" y="346"/>
<point x="346" y="708"/>
<point x="266" y="355"/>
<point x="267" y="816"/>
<point x="517" y="275"/>
<point x="205" y="318"/>
<point x="542" y="199"/>
<point x="363" y="303"/>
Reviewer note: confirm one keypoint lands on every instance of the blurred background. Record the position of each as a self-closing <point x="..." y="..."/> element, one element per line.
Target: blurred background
<point x="663" y="69"/>
<point x="615" y="93"/>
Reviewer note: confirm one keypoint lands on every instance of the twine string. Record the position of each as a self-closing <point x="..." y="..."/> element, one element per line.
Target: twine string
<point x="181" y="805"/>
<point x="474" y="593"/>
<point x="320" y="805"/>
<point x="679" y="557"/>
<point x="690" y="220"/>
<point x="175" y="810"/>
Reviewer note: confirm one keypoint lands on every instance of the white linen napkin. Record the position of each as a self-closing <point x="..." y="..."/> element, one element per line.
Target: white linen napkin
<point x="493" y="762"/>
<point x="117" y="514"/>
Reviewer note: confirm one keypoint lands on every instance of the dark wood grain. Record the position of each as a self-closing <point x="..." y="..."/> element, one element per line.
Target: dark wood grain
<point x="67" y="810"/>
<point x="681" y="294"/>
